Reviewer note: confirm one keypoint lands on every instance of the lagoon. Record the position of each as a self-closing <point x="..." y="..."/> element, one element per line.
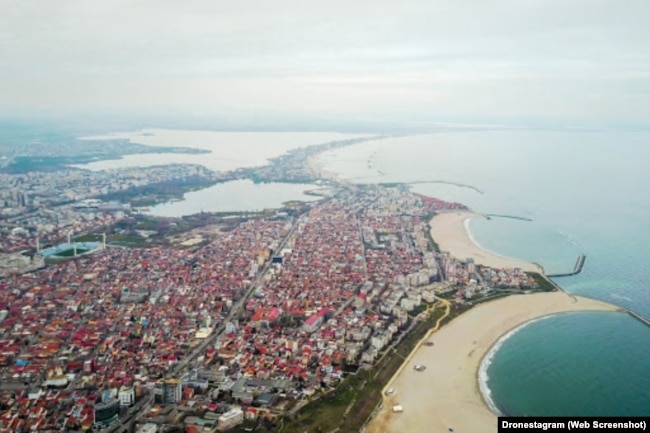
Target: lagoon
<point x="235" y="196"/>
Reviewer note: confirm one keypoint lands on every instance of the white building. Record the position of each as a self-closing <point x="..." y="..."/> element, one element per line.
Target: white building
<point x="230" y="419"/>
<point x="148" y="428"/>
<point x="34" y="394"/>
<point x="231" y="328"/>
<point x="59" y="381"/>
<point x="407" y="304"/>
<point x="401" y="316"/>
<point x="379" y="340"/>
<point x="416" y="298"/>
<point x="126" y="396"/>
<point x="428" y="296"/>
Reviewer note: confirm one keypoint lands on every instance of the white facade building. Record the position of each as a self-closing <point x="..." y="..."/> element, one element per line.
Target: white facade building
<point x="230" y="419"/>
<point x="126" y="396"/>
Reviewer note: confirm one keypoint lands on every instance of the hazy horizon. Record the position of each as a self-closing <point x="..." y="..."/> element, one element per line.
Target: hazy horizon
<point x="410" y="64"/>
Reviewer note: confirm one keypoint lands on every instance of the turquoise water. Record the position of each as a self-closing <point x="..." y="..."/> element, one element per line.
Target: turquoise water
<point x="586" y="193"/>
<point x="581" y="363"/>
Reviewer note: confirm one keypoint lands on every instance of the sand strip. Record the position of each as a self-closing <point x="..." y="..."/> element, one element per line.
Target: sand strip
<point x="317" y="167"/>
<point x="446" y="394"/>
<point x="449" y="230"/>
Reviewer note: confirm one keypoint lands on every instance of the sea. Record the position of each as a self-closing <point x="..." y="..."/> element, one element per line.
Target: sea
<point x="579" y="192"/>
<point x="583" y="192"/>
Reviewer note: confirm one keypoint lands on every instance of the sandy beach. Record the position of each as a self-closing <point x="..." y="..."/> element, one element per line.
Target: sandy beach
<point x="316" y="166"/>
<point x="450" y="233"/>
<point x="446" y="394"/>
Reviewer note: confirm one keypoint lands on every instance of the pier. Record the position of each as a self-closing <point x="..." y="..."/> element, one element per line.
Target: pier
<point x="580" y="263"/>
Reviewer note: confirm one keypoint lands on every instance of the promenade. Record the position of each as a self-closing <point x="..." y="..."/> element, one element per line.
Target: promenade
<point x="447" y="394"/>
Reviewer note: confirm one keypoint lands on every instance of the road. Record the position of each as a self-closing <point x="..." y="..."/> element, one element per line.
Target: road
<point x="218" y="329"/>
<point x="447" y="306"/>
<point x="217" y="332"/>
<point x="134" y="412"/>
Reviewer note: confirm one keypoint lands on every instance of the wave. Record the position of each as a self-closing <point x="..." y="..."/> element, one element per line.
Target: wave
<point x="484" y="378"/>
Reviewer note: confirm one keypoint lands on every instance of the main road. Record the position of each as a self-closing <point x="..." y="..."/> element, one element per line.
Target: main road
<point x="217" y="331"/>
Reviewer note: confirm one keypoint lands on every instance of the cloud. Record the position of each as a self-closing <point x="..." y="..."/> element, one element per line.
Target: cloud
<point x="577" y="59"/>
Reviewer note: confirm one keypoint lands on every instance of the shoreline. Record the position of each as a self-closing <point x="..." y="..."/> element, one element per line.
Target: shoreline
<point x="316" y="166"/>
<point x="451" y="232"/>
<point x="454" y="363"/>
<point x="452" y="391"/>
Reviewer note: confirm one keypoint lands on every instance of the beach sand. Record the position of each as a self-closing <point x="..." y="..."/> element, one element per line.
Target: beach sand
<point x="446" y="394"/>
<point x="316" y="166"/>
<point x="450" y="233"/>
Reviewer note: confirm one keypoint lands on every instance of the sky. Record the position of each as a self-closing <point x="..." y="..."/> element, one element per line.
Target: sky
<point x="411" y="61"/>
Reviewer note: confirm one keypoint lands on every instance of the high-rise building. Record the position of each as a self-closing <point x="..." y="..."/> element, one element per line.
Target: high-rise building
<point x="126" y="396"/>
<point x="471" y="266"/>
<point x="89" y="366"/>
<point x="106" y="412"/>
<point x="169" y="391"/>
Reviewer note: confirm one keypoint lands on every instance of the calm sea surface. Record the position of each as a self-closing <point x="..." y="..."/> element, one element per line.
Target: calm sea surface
<point x="585" y="192"/>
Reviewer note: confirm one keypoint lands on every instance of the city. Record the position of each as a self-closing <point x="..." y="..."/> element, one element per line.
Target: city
<point x="250" y="326"/>
<point x="324" y="217"/>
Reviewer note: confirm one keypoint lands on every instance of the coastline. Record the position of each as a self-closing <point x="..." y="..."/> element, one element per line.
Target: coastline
<point x="448" y="392"/>
<point x="452" y="391"/>
<point x="451" y="232"/>
<point x="316" y="167"/>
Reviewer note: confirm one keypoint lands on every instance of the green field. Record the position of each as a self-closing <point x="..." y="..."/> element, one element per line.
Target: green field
<point x="70" y="252"/>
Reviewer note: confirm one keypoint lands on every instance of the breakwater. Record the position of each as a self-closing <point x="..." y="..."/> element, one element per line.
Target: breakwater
<point x="580" y="263"/>
<point x="445" y="182"/>
<point x="558" y="287"/>
<point x="638" y="317"/>
<point x="514" y="217"/>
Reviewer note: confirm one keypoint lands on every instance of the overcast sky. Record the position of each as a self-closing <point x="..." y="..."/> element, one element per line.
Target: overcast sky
<point x="377" y="60"/>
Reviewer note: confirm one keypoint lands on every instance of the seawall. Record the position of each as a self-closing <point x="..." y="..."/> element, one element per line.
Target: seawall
<point x="580" y="263"/>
